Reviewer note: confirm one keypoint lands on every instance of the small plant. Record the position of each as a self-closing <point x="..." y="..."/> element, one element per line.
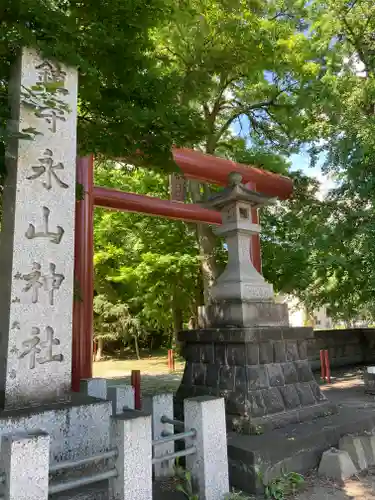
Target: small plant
<point x="236" y="495"/>
<point x="185" y="483"/>
<point x="283" y="485"/>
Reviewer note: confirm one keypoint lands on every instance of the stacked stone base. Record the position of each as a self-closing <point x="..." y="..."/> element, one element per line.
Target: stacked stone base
<point x="262" y="373"/>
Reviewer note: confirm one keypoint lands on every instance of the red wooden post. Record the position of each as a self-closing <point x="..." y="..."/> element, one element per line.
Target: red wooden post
<point x="170" y="359"/>
<point x="136" y="383"/>
<point x="322" y="365"/>
<point x="327" y="366"/>
<point x="83" y="274"/>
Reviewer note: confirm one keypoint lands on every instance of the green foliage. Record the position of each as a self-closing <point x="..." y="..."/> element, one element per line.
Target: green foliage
<point x="287" y="483"/>
<point x="149" y="263"/>
<point x="127" y="100"/>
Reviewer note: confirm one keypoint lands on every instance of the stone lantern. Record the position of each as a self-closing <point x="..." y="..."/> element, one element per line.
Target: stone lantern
<point x="240" y="296"/>
<point x="245" y="350"/>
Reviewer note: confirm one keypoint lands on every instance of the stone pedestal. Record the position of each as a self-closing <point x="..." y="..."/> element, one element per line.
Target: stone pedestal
<point x="263" y="374"/>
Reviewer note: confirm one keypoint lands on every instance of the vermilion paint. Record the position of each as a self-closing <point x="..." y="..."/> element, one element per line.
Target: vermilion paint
<point x="83" y="276"/>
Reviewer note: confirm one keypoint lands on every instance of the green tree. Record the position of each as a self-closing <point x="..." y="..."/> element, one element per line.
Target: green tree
<point x="127" y="100"/>
<point x="149" y="263"/>
<point x="243" y="64"/>
<point x="342" y="122"/>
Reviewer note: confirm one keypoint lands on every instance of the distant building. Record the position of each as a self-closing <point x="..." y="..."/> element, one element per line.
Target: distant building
<point x="298" y="316"/>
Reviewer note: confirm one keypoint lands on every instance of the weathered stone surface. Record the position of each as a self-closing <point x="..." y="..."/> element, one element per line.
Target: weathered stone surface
<point x="25" y="458"/>
<point x="257" y="377"/>
<point x="290" y="397"/>
<point x="131" y="433"/>
<point x="275" y="375"/>
<point x="160" y="405"/>
<point x="336" y="464"/>
<point x="305" y="394"/>
<point x="77" y="428"/>
<point x="121" y="397"/>
<point x="243" y="314"/>
<point x="37" y="241"/>
<point x="353" y="446"/>
<point x="369" y="380"/>
<point x="290" y="373"/>
<point x="209" y="466"/>
<point x="368" y="444"/>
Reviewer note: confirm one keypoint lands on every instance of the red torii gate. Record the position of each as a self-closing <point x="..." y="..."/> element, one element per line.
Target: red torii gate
<point x="194" y="165"/>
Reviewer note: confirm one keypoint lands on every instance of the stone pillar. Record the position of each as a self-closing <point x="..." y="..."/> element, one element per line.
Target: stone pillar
<point x="209" y="466"/>
<point x="132" y="435"/>
<point x="95" y="387"/>
<point x="25" y="458"/>
<point x="37" y="240"/>
<point x="161" y="405"/>
<point x="122" y="398"/>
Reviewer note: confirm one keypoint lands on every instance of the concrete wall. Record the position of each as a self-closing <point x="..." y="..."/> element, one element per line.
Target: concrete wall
<point x="346" y="347"/>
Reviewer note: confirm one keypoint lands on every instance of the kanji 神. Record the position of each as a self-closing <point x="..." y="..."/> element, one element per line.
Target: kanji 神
<point x="34" y="346"/>
<point x="35" y="280"/>
<point x="48" y="168"/>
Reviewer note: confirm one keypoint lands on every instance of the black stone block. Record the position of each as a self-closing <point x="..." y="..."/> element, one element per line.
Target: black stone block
<point x="236" y="354"/>
<point x="265" y="352"/>
<point x="191" y="353"/>
<point x="304" y="371"/>
<point x="302" y="349"/>
<point x="207" y="353"/>
<point x="289" y="372"/>
<point x="257" y="377"/>
<point x="187" y="378"/>
<point x="226" y="377"/>
<point x="257" y="405"/>
<point x="237" y="404"/>
<point x="220" y="354"/>
<point x="199" y="373"/>
<point x="252" y="354"/>
<point x="275" y="375"/>
<point x="290" y="397"/>
<point x="240" y="379"/>
<point x="318" y="394"/>
<point x="273" y="400"/>
<point x="305" y="394"/>
<point x="212" y="376"/>
<point x="292" y="353"/>
<point x="279" y="351"/>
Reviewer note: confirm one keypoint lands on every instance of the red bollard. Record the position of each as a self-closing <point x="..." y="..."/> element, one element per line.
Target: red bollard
<point x="322" y="365"/>
<point x="171" y="359"/>
<point x="327" y="366"/>
<point x="136" y="384"/>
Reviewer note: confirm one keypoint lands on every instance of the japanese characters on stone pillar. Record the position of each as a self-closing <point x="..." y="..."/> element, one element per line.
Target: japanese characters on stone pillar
<point x="37" y="240"/>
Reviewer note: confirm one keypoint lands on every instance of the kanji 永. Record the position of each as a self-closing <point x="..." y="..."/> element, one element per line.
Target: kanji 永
<point x="48" y="168"/>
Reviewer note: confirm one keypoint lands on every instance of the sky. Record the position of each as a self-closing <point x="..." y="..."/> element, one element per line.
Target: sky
<point x="301" y="161"/>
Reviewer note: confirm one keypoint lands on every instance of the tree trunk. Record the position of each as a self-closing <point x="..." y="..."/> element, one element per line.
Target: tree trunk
<point x="178" y="320"/>
<point x="99" y="350"/>
<point x="136" y="345"/>
<point x="207" y="242"/>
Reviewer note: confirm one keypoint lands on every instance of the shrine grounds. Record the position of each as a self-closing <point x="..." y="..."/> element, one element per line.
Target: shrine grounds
<point x="346" y="389"/>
